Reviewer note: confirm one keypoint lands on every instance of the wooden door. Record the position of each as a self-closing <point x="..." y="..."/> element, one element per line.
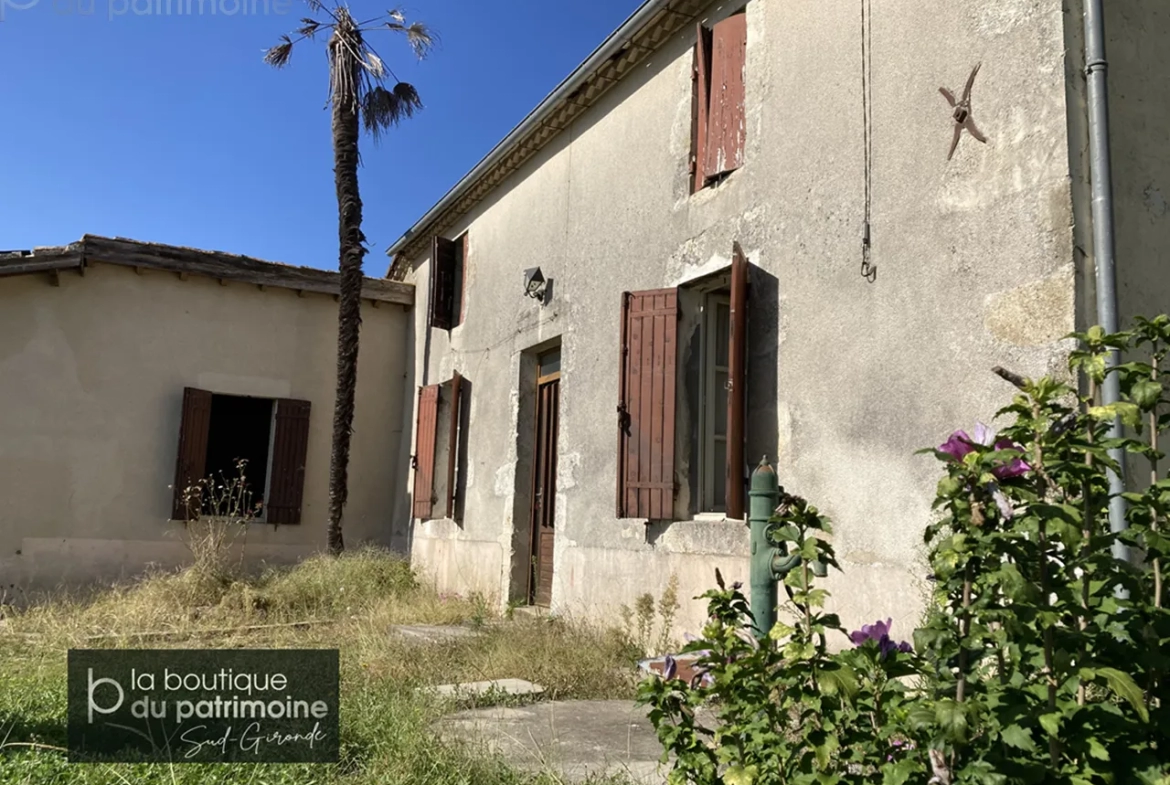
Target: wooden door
<point x="544" y="483"/>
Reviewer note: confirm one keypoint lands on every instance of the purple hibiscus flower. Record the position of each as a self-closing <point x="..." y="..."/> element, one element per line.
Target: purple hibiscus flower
<point x="879" y="632"/>
<point x="960" y="444"/>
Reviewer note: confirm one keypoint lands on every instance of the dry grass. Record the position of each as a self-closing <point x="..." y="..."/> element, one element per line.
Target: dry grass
<point x="362" y="596"/>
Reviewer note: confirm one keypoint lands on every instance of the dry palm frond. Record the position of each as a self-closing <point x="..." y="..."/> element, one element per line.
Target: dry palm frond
<point x="418" y="35"/>
<point x="375" y="66"/>
<point x="382" y="108"/>
<point x="278" y="55"/>
<point x="309" y="27"/>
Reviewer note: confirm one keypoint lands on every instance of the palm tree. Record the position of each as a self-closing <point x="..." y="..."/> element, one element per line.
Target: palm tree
<point x="357" y="96"/>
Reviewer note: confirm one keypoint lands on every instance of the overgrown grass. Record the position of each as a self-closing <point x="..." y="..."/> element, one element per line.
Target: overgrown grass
<point x="387" y="734"/>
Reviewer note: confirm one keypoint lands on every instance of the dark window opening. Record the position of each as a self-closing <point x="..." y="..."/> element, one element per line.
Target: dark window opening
<point x="217" y="431"/>
<point x="240" y="430"/>
<point x="448" y="282"/>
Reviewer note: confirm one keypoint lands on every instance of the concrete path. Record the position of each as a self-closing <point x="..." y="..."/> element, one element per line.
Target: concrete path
<point x="573" y="738"/>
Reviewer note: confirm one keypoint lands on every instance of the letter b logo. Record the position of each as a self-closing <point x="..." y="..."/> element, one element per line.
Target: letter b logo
<point x="93" y="685"/>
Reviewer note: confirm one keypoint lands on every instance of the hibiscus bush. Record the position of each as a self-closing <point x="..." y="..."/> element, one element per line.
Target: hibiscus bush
<point x="1043" y="657"/>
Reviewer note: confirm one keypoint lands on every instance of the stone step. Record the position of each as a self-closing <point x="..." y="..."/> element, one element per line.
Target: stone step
<point x="478" y="689"/>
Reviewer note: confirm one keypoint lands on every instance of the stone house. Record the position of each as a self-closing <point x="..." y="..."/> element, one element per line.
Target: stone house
<point x="129" y="369"/>
<point x="741" y="230"/>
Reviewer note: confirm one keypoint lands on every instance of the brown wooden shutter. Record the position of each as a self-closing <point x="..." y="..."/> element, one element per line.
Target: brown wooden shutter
<point x="737" y="382"/>
<point x="444" y="258"/>
<point x="191" y="463"/>
<point x="290" y="451"/>
<point x="646" y="409"/>
<point x="453" y="443"/>
<point x="726" y="130"/>
<point x="424" y="451"/>
<point x="700" y="107"/>
<point x="463" y="282"/>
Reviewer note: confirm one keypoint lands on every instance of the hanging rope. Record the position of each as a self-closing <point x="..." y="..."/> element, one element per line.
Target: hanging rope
<point x="868" y="270"/>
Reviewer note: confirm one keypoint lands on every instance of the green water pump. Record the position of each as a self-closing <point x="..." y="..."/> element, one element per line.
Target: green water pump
<point x="770" y="562"/>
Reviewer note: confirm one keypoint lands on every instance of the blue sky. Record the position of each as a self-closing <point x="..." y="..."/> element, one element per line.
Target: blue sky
<point x="124" y="121"/>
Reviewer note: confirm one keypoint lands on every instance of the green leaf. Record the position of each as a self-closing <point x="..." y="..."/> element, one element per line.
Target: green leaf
<point x="788" y="533"/>
<point x="1051" y="723"/>
<point x="1129" y="414"/>
<point x="1146" y="393"/>
<point x="741" y="775"/>
<point x="948" y="487"/>
<point x="1018" y="737"/>
<point x="1124" y="687"/>
<point x="799" y="651"/>
<point x="951" y="717"/>
<point x="840" y="680"/>
<point x="1097" y="749"/>
<point x="898" y="773"/>
<point x="780" y="630"/>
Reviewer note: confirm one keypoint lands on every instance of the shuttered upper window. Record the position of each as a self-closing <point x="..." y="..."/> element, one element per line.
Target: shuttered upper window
<point x="650" y="382"/>
<point x="439" y="433"/>
<point x="270" y="435"/>
<point x="717" y="115"/>
<point x="448" y="279"/>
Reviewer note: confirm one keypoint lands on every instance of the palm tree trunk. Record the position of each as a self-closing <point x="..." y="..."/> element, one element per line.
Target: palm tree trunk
<point x="349" y="317"/>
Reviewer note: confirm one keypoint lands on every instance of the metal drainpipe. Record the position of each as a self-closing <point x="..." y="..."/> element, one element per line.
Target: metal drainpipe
<point x="1101" y="182"/>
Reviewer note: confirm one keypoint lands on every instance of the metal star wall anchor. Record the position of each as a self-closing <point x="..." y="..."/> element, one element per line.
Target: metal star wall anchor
<point x="962" y="112"/>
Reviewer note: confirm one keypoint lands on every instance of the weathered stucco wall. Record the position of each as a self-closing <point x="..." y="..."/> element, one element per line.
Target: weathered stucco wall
<point x="91" y="388"/>
<point x="847" y="378"/>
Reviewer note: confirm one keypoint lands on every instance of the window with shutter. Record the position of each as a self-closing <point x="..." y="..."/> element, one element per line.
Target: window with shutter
<point x="461" y="280"/>
<point x="700" y="105"/>
<point x="646" y="407"/>
<point x="191" y="465"/>
<point x="290" y="450"/>
<point x="426" y="433"/>
<point x="683" y="398"/>
<point x="228" y="438"/>
<point x="444" y="261"/>
<point x="725" y="135"/>
<point x="453" y="442"/>
<point x="717" y="116"/>
<point x="438" y="450"/>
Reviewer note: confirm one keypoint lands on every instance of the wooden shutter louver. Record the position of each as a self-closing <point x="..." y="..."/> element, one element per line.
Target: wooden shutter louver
<point x="647" y="384"/>
<point x="453" y="443"/>
<point x="191" y="463"/>
<point x="290" y="451"/>
<point x="444" y="259"/>
<point x="700" y="107"/>
<point x="726" y="132"/>
<point x="737" y="383"/>
<point x="424" y="451"/>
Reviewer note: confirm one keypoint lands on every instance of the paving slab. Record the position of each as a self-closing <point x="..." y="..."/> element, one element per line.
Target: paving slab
<point x="475" y="689"/>
<point x="434" y="633"/>
<point x="576" y="739"/>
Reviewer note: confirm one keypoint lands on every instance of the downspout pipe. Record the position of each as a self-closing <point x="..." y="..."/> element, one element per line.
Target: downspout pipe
<point x="1101" y="185"/>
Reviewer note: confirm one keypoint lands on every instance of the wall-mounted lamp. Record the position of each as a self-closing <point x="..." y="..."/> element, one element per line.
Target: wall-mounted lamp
<point x="534" y="284"/>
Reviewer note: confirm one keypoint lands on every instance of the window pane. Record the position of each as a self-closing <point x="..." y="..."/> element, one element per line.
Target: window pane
<point x="719" y="469"/>
<point x="722" y="333"/>
<point x="550" y="363"/>
<point x="719" y="413"/>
